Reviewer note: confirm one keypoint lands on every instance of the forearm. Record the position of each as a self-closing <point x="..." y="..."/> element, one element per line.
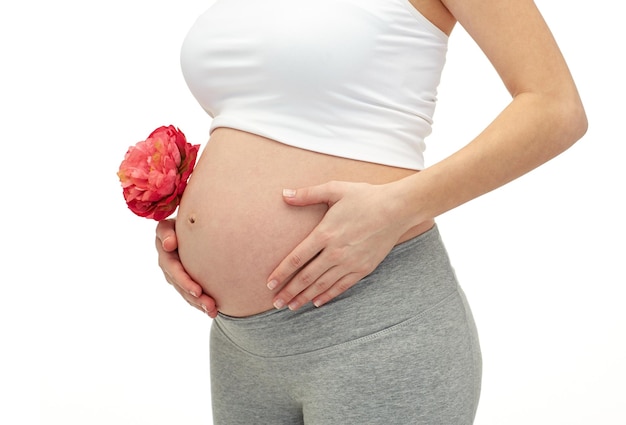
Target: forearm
<point x="533" y="129"/>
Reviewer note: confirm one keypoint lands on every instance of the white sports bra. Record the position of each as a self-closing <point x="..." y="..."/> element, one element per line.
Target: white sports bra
<point x="351" y="78"/>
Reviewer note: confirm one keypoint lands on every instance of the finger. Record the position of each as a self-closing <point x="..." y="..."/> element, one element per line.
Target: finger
<point x="183" y="281"/>
<point x="166" y="234"/>
<point x="320" y="266"/>
<point x="341" y="286"/>
<point x="327" y="193"/>
<point x="320" y="286"/>
<point x="207" y="304"/>
<point x="203" y="303"/>
<point x="175" y="274"/>
<point x="306" y="278"/>
<point x="315" y="242"/>
<point x="301" y="255"/>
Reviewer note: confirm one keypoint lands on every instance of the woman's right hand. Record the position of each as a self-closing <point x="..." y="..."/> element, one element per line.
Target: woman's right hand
<point x="175" y="274"/>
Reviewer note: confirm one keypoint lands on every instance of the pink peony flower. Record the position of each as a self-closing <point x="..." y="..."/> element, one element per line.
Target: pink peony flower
<point x="154" y="172"/>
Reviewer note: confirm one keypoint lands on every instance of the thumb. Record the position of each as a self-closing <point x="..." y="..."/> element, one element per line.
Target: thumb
<point x="166" y="233"/>
<point x="327" y="193"/>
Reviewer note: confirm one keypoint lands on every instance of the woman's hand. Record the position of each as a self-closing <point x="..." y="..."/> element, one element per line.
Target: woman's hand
<point x="355" y="235"/>
<point x="175" y="274"/>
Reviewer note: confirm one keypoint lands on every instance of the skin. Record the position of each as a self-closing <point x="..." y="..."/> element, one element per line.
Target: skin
<point x="364" y="221"/>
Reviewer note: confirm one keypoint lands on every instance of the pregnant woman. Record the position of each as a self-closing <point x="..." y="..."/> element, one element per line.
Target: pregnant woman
<point x="307" y="228"/>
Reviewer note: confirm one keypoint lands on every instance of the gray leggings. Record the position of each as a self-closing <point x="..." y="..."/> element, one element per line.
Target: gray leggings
<point x="399" y="347"/>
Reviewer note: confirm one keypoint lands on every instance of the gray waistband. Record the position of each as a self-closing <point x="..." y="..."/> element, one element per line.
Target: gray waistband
<point x="415" y="276"/>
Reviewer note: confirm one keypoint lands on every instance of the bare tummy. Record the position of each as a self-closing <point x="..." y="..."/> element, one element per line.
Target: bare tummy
<point x="233" y="227"/>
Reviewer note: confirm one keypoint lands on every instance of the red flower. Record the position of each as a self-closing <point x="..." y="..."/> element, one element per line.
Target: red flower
<point x="154" y="172"/>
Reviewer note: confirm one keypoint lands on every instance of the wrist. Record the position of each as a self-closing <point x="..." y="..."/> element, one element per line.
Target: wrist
<point x="404" y="205"/>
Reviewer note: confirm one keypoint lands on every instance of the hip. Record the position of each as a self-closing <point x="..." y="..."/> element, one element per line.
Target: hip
<point x="414" y="280"/>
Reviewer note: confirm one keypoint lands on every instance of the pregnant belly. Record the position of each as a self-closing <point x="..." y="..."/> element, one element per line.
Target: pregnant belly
<point x="233" y="227"/>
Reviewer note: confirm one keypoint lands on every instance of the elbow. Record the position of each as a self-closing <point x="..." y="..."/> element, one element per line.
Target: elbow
<point x="575" y="119"/>
<point x="570" y="121"/>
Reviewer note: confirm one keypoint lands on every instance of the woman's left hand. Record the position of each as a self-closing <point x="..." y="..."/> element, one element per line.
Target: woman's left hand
<point x="355" y="235"/>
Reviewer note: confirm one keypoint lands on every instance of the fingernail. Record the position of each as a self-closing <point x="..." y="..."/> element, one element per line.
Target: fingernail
<point x="206" y="310"/>
<point x="293" y="305"/>
<point x="317" y="303"/>
<point x="289" y="193"/>
<point x="278" y="304"/>
<point x="272" y="284"/>
<point x="193" y="294"/>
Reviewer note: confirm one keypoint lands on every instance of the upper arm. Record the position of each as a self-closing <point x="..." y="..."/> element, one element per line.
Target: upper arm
<point x="517" y="41"/>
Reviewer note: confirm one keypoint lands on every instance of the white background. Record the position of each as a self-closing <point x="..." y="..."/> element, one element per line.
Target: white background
<point x="92" y="334"/>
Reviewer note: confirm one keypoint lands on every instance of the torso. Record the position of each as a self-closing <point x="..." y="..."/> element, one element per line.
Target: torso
<point x="233" y="226"/>
<point x="437" y="13"/>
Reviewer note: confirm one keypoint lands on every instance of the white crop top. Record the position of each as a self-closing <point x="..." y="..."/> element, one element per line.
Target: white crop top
<point x="351" y="78"/>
